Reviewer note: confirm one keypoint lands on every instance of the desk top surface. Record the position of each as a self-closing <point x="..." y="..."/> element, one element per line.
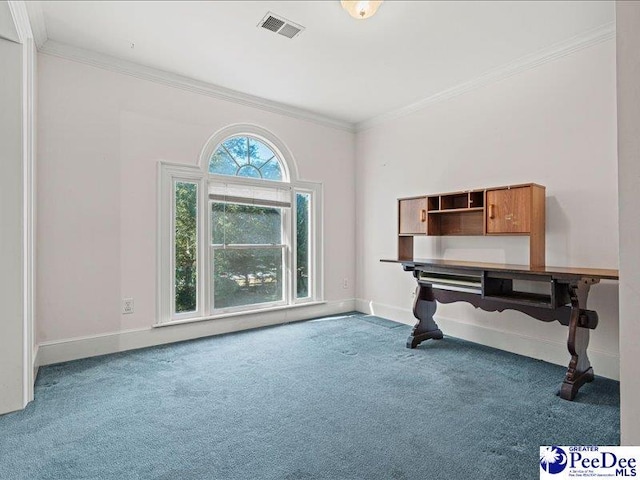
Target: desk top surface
<point x="602" y="273"/>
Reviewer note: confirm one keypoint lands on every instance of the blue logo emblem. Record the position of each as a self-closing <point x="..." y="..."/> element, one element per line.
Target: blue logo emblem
<point x="553" y="460"/>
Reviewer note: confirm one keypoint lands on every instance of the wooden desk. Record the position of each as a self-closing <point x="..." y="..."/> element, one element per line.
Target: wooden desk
<point x="561" y="295"/>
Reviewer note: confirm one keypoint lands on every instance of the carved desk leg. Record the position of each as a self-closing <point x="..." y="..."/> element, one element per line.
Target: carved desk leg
<point x="424" y="307"/>
<point x="579" y="371"/>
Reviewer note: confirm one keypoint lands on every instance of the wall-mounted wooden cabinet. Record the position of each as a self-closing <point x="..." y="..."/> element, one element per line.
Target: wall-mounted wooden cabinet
<point x="510" y="210"/>
<point x="412" y="215"/>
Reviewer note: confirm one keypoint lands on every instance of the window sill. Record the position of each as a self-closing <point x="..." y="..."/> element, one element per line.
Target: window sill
<point x="239" y="314"/>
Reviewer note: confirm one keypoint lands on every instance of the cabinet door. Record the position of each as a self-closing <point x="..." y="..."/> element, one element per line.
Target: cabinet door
<point x="413" y="216"/>
<point x="509" y="210"/>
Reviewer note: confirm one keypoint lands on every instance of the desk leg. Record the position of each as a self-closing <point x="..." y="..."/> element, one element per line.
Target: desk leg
<point x="424" y="307"/>
<point x="580" y="370"/>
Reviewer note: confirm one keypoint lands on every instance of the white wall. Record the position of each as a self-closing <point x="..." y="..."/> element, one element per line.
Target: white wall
<point x="101" y="135"/>
<point x="11" y="232"/>
<point x="628" y="69"/>
<point x="554" y="125"/>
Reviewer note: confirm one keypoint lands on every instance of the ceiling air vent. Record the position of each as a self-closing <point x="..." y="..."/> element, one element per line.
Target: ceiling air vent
<point x="280" y="25"/>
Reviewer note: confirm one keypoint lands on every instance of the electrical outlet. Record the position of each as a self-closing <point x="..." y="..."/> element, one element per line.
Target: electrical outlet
<point x="345" y="283"/>
<point x="127" y="305"/>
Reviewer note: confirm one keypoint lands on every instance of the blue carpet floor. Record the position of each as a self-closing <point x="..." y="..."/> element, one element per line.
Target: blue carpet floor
<point x="337" y="398"/>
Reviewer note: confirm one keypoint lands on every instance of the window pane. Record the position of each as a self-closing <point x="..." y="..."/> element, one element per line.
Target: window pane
<point x="247" y="276"/>
<point x="222" y="164"/>
<point x="250" y="171"/>
<point x="265" y="159"/>
<point x="233" y="223"/>
<point x="237" y="147"/>
<point x="245" y="157"/>
<point x="260" y="153"/>
<point x="186" y="246"/>
<point x="303" y="203"/>
<point x="271" y="170"/>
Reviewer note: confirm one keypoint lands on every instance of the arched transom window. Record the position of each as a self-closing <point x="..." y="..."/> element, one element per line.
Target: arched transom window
<point x="245" y="156"/>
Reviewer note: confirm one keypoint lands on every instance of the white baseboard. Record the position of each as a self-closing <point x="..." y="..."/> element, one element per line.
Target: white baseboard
<point x="47" y="353"/>
<point x="605" y="364"/>
<point x="84" y="347"/>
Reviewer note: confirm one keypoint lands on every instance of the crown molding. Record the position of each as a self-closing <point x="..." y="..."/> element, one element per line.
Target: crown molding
<point x="126" y="67"/>
<point x="20" y="19"/>
<point x="587" y="39"/>
<point x="38" y="27"/>
<point x="567" y="47"/>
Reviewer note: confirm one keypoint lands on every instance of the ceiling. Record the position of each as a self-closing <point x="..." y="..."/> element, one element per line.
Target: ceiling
<point x="7" y="26"/>
<point x="339" y="67"/>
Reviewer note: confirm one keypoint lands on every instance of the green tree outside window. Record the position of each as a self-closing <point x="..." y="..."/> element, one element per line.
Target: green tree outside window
<point x="186" y="247"/>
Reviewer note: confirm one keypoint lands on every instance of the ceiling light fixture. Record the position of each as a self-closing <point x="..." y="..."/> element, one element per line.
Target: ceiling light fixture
<point x="361" y="9"/>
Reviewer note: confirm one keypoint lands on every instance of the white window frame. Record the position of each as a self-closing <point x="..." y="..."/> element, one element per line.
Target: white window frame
<point x="286" y="245"/>
<point x="315" y="242"/>
<point x="169" y="173"/>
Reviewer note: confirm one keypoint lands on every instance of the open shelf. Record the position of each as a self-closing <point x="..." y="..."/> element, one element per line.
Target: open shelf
<point x="523" y="298"/>
<point x="454" y="202"/>
<point x="538" y="291"/>
<point x="456" y="222"/>
<point x="476" y="199"/>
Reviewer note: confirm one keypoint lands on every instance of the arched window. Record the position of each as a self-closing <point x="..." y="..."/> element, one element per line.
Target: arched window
<point x="240" y="233"/>
<point x="245" y="156"/>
